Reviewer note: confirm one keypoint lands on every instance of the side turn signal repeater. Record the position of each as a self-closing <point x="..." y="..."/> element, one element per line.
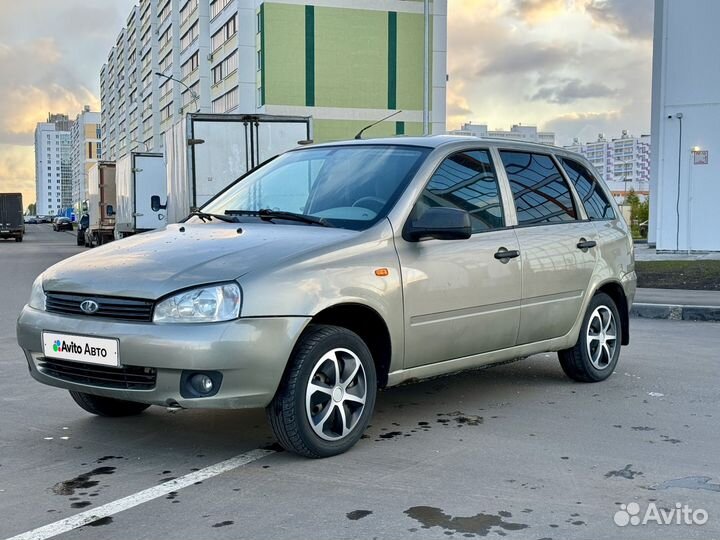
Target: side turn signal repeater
<point x="382" y="272"/>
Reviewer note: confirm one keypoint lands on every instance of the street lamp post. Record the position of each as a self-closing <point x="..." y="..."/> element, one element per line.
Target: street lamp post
<point x="193" y="94"/>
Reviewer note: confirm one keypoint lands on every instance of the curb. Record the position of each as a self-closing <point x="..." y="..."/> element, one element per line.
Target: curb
<point x="676" y="312"/>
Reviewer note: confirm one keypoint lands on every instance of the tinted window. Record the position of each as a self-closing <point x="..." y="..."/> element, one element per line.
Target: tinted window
<point x="540" y="192"/>
<point x="593" y="198"/>
<point x="466" y="180"/>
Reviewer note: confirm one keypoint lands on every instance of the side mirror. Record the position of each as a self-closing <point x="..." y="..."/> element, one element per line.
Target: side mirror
<point x="439" y="222"/>
<point x="155" y="203"/>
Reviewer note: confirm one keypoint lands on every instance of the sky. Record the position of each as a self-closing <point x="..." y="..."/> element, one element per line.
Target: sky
<point x="576" y="67"/>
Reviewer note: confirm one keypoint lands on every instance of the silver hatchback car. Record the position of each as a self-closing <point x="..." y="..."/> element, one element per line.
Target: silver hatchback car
<point x="335" y="270"/>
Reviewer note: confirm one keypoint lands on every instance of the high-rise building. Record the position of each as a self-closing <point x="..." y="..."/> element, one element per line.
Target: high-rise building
<point x="86" y="150"/>
<point x="345" y="64"/>
<point x="53" y="166"/>
<point x="624" y="163"/>
<point x="518" y="132"/>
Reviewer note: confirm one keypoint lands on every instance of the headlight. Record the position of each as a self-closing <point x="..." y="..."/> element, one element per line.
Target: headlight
<point x="37" y="295"/>
<point x="205" y="304"/>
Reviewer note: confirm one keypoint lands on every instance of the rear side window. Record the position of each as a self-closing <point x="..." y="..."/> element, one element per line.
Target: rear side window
<point x="466" y="180"/>
<point x="593" y="197"/>
<point x="540" y="192"/>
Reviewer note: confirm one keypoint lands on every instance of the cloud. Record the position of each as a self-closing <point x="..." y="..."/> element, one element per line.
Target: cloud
<point x="17" y="171"/>
<point x="571" y="90"/>
<point x="629" y="19"/>
<point x="524" y="58"/>
<point x="537" y="11"/>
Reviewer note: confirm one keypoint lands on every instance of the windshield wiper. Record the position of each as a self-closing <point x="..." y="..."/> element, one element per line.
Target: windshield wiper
<point x="268" y="214"/>
<point x="209" y="217"/>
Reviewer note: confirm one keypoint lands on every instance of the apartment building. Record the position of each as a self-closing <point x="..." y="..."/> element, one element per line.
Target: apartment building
<point x="518" y="132"/>
<point x="344" y="63"/>
<point x="624" y="163"/>
<point x="86" y="150"/>
<point x="53" y="165"/>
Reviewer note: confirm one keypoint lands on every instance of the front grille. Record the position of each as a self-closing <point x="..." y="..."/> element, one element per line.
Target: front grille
<point x="125" y="309"/>
<point x="125" y="378"/>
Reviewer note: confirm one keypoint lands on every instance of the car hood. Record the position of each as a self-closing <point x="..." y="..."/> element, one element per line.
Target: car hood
<point x="153" y="264"/>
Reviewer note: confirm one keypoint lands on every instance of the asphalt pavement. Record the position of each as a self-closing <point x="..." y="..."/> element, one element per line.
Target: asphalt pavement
<point x="515" y="451"/>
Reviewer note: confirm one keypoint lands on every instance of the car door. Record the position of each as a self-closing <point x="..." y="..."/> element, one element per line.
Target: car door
<point x="557" y="245"/>
<point x="461" y="297"/>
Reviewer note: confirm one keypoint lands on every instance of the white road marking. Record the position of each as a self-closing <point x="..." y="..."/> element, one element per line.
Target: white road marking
<point x="136" y="499"/>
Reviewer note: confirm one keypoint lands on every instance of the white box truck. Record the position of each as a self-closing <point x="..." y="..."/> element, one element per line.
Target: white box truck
<point x="205" y="153"/>
<point x="101" y="204"/>
<point x="141" y="192"/>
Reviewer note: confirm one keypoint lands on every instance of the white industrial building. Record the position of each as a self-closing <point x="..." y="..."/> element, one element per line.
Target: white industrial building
<point x="685" y="181"/>
<point x="518" y="132"/>
<point x="624" y="162"/>
<point x="53" y="165"/>
<point x="86" y="150"/>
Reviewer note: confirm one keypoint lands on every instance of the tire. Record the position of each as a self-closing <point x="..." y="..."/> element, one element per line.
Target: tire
<point x="81" y="240"/>
<point x="104" y="406"/>
<point x="18" y="238"/>
<point x="318" y="351"/>
<point x="597" y="361"/>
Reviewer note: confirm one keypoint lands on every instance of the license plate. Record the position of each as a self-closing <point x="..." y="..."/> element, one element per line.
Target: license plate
<point x="89" y="350"/>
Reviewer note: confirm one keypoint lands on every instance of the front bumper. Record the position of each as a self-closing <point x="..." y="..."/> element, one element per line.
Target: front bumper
<point x="250" y="353"/>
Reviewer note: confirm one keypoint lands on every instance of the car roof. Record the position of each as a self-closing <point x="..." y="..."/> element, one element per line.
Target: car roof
<point x="438" y="141"/>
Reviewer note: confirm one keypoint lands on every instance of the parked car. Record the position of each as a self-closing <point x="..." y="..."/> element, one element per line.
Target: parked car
<point x="83" y="226"/>
<point x="31" y="220"/>
<point x="337" y="269"/>
<point x="45" y="219"/>
<point x="62" y="224"/>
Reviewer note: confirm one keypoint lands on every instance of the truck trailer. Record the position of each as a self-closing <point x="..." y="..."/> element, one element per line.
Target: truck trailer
<point x="205" y="153"/>
<point x="101" y="204"/>
<point x="141" y="192"/>
<point x="12" y="224"/>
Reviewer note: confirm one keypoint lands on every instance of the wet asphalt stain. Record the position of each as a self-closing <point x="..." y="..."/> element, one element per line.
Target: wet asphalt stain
<point x="642" y="428"/>
<point x="172" y="496"/>
<point x="390" y="435"/>
<point x="690" y="482"/>
<point x="82" y="481"/>
<point x="626" y="472"/>
<point x="107" y="458"/>
<point x="668" y="439"/>
<point x="100" y="522"/>
<point x="81" y="504"/>
<point x="163" y="480"/>
<point x="463" y="419"/>
<point x="358" y="514"/>
<point x="223" y="524"/>
<point x="478" y="525"/>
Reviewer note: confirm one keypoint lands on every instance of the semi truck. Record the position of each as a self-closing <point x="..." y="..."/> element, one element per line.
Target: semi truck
<point x="12" y="224"/>
<point x="141" y="192"/>
<point x="205" y="152"/>
<point x="101" y="204"/>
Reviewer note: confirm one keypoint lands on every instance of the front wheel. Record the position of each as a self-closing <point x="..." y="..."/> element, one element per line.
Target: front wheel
<point x="595" y="355"/>
<point x="328" y="394"/>
<point x="104" y="406"/>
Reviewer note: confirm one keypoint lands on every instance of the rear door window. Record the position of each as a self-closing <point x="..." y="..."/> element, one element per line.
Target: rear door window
<point x="597" y="206"/>
<point x="540" y="192"/>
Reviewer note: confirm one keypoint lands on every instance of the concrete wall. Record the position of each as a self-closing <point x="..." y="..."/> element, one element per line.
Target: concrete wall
<point x="686" y="82"/>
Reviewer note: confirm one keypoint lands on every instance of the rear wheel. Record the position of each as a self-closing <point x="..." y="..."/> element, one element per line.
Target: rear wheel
<point x="595" y="355"/>
<point x="104" y="406"/>
<point x="327" y="397"/>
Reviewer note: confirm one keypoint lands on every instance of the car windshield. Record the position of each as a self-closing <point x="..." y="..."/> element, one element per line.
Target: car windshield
<point x="351" y="187"/>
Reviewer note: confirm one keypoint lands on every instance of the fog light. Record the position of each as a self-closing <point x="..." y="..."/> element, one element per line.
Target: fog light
<point x="201" y="383"/>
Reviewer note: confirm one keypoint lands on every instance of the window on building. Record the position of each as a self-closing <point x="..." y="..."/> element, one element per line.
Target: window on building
<point x="189" y="36"/>
<point x="190" y="66"/>
<point x="188" y="94"/>
<point x="164" y="12"/>
<point x="226" y="102"/>
<point x="225" y="68"/>
<point x="259" y="60"/>
<point x="166" y="37"/>
<point x="467" y="181"/>
<point x="217" y="6"/>
<point x="540" y="192"/>
<point x="166" y="62"/>
<point x="228" y="30"/>
<point x="166" y="112"/>
<point x="185" y="12"/>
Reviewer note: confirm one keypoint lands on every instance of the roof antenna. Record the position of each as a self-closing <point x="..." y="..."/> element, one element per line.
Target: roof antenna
<point x="359" y="135"/>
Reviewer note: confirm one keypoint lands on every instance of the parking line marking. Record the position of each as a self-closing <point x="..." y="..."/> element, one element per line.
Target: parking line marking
<point x="136" y="499"/>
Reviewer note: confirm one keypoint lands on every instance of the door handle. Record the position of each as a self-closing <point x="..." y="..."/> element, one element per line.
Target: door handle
<point x="504" y="255"/>
<point x="586" y="244"/>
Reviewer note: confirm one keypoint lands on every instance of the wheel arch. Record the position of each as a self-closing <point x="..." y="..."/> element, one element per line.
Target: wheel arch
<point x="367" y="323"/>
<point x="615" y="291"/>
